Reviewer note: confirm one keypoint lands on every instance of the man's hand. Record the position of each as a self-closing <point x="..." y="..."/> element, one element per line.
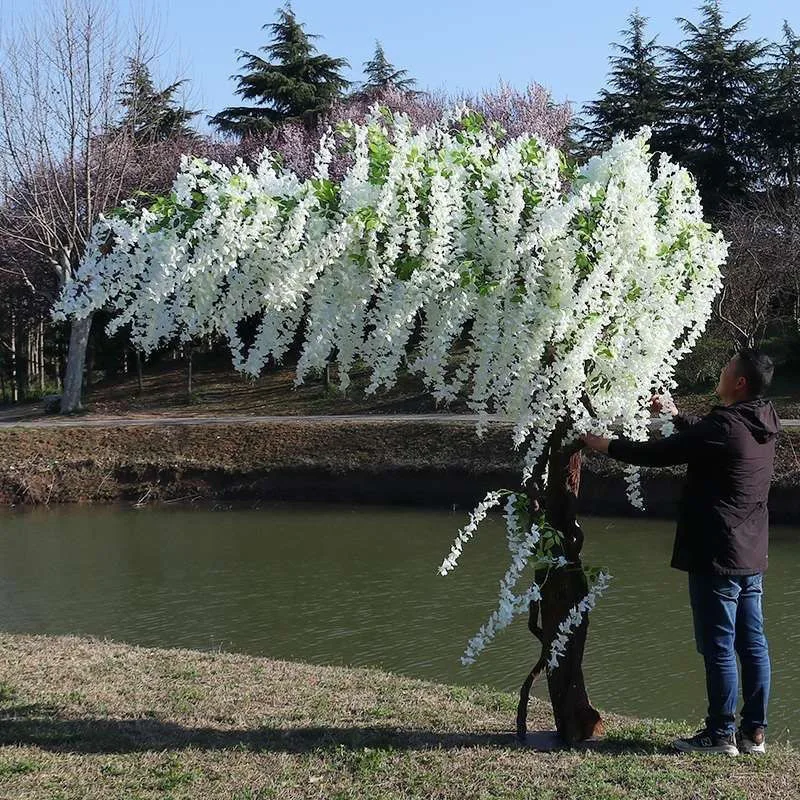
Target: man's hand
<point x="597" y="443"/>
<point x="663" y="405"/>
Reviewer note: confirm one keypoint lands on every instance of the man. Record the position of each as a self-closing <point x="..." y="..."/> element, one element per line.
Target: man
<point x="721" y="542"/>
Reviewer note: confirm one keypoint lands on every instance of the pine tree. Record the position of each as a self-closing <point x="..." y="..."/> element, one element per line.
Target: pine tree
<point x="295" y="81"/>
<point x="717" y="80"/>
<point x="637" y="93"/>
<point x="382" y="75"/>
<point x="152" y="114"/>
<point x="780" y="122"/>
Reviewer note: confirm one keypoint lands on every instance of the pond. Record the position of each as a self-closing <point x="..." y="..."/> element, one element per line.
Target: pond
<point x="359" y="586"/>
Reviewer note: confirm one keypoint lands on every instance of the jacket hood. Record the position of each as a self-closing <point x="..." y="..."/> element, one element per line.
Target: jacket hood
<point x="759" y="417"/>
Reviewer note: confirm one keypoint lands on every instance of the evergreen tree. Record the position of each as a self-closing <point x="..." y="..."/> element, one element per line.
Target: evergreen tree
<point x="152" y="114"/>
<point x="780" y="122"/>
<point x="716" y="80"/>
<point x="295" y="81"/>
<point x="381" y="74"/>
<point x="637" y="93"/>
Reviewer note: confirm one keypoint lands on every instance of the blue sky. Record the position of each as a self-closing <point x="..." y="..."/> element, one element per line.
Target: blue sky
<point x="445" y="44"/>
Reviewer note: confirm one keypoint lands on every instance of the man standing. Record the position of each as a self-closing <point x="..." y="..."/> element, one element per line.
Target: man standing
<point x="721" y="542"/>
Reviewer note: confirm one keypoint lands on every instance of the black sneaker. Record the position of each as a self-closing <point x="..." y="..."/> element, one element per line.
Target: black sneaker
<point x="751" y="740"/>
<point x="706" y="742"/>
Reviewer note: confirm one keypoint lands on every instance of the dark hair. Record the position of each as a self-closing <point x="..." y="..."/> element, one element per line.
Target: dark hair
<point x="756" y="368"/>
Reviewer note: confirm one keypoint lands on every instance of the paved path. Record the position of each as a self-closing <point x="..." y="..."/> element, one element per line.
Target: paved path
<point x="126" y="422"/>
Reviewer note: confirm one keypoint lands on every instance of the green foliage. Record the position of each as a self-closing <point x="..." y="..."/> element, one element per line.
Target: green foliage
<point x="717" y="83"/>
<point x="473" y="122"/>
<point x="382" y="75"/>
<point x="18" y="766"/>
<point x="551" y="540"/>
<point x="405" y="267"/>
<point x="152" y="114"/>
<point x="724" y="105"/>
<point x="699" y="370"/>
<point x="327" y="192"/>
<point x="636" y="95"/>
<point x="381" y="151"/>
<point x="780" y="128"/>
<point x="531" y="152"/>
<point x="294" y="82"/>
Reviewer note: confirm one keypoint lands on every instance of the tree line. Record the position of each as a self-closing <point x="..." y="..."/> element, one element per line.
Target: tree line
<point x="86" y="127"/>
<point x="727" y="107"/>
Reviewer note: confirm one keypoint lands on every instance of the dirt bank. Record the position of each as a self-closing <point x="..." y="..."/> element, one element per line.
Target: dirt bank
<point x="426" y="462"/>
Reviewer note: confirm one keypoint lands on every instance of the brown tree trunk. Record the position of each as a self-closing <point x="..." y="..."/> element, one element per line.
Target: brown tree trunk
<point x="576" y="720"/>
<point x="139" y="379"/>
<point x="189" y="376"/>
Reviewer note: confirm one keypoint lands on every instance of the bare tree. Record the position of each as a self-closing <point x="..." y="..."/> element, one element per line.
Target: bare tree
<point x="762" y="274"/>
<point x="64" y="159"/>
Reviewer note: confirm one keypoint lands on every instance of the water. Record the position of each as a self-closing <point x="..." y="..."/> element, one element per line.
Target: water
<point x="358" y="586"/>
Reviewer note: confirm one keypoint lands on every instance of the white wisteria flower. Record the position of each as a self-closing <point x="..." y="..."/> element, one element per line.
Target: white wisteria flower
<point x="566" y="285"/>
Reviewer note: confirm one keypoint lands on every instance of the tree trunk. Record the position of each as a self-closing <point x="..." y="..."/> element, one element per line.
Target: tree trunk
<point x="189" y="373"/>
<point x="41" y="357"/>
<point x="73" y="379"/>
<point x="13" y="357"/>
<point x="139" y="380"/>
<point x="576" y="720"/>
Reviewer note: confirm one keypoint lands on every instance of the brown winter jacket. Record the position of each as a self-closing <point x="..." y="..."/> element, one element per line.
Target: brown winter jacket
<point x="723" y="520"/>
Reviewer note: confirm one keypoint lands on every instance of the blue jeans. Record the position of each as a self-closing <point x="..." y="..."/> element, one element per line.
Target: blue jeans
<point x="728" y="621"/>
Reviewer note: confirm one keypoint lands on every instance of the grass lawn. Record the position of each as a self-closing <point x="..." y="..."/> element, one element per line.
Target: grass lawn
<point x="81" y="718"/>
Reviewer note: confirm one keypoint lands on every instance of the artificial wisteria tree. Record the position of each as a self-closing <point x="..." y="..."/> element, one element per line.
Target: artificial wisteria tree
<point x="554" y="297"/>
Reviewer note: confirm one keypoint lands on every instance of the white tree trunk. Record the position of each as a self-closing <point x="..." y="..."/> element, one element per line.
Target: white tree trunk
<point x="73" y="379"/>
<point x="14" y="382"/>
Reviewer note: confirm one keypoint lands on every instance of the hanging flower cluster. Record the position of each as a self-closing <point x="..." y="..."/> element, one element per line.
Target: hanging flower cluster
<point x="557" y="285"/>
<point x="477" y="516"/>
<point x="533" y="554"/>
<point x="575" y="617"/>
<point x="535" y="289"/>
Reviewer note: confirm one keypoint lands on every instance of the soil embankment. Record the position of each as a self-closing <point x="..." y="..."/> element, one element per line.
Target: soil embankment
<point x="421" y="461"/>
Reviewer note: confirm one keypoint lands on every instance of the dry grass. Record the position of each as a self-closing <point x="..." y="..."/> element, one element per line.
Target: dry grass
<point x="86" y="719"/>
<point x="221" y="390"/>
<point x="224" y="391"/>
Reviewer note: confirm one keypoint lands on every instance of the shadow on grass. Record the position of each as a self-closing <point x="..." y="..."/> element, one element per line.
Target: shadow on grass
<point x="45" y="727"/>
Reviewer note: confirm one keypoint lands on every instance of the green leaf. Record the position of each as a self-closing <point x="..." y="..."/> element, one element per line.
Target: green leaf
<point x="405" y="267"/>
<point x="368" y="217"/>
<point x="473" y="122"/>
<point x="381" y="152"/>
<point x="583" y="263"/>
<point x="531" y="197"/>
<point x="327" y="192"/>
<point x="634" y="294"/>
<point x="531" y="152"/>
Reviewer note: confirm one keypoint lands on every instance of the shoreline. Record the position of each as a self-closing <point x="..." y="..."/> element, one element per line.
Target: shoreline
<point x="90" y="719"/>
<point x="426" y="462"/>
